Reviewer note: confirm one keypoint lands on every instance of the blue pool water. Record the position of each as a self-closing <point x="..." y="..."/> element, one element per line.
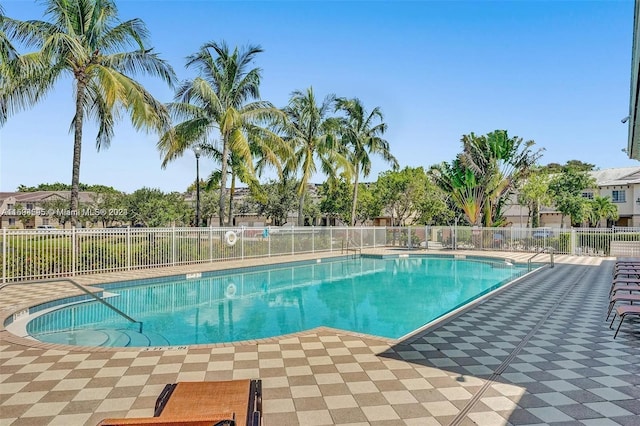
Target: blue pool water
<point x="388" y="297"/>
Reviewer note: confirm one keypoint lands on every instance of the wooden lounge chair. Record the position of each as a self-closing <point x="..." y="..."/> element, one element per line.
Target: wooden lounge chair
<point x="622" y="312"/>
<point x="236" y="402"/>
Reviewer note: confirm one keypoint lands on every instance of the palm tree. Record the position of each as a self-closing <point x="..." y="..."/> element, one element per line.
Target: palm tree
<point x="85" y="39"/>
<point x="310" y="133"/>
<point x="362" y="137"/>
<point x="602" y="208"/>
<point x="485" y="174"/>
<point x="218" y="100"/>
<point x="462" y="186"/>
<point x="499" y="162"/>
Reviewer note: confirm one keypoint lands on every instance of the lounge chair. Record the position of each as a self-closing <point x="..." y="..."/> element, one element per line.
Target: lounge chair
<point x="622" y="298"/>
<point x="625" y="287"/>
<point x="622" y="311"/>
<point x="236" y="402"/>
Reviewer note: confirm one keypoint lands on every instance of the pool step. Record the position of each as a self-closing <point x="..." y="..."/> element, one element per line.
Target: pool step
<point x="76" y="337"/>
<point x="136" y="339"/>
<point x="156" y="339"/>
<point x="116" y="338"/>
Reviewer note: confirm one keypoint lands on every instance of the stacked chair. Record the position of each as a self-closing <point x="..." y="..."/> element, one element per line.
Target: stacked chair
<point x="625" y="287"/>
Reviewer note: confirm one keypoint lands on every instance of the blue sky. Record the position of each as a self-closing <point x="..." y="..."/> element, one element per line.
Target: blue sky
<point x="555" y="72"/>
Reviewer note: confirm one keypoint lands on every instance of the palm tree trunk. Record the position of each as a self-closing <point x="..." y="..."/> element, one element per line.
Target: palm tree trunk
<point x="77" y="148"/>
<point x="231" y="194"/>
<point x="223" y="178"/>
<point x="355" y="197"/>
<point x="301" y="209"/>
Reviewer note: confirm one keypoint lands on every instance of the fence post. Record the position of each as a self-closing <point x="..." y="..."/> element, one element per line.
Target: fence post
<point x="293" y="240"/>
<point x="426" y="237"/>
<point x="330" y="239"/>
<point x="361" y="237"/>
<point x="4" y="255"/>
<point x="128" y="248"/>
<point x="173" y="245"/>
<point x="269" y="240"/>
<point x="242" y="242"/>
<point x="313" y="239"/>
<point x="573" y="241"/>
<point x="454" y="236"/>
<point x="210" y="244"/>
<point x="73" y="251"/>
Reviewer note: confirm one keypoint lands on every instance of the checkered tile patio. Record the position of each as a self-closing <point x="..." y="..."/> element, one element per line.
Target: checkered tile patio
<point x="538" y="352"/>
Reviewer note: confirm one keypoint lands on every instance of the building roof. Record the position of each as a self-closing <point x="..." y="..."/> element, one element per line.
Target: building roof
<point x="40" y="196"/>
<point x="617" y="176"/>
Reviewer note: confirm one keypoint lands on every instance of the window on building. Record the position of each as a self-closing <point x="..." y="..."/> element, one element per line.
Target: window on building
<point x="45" y="221"/>
<point x="588" y="195"/>
<point x="618" y="196"/>
<point x="12" y="221"/>
<point x="10" y="206"/>
<point x="29" y="206"/>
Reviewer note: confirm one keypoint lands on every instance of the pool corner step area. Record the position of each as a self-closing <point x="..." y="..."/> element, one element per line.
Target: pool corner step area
<point x="105" y="337"/>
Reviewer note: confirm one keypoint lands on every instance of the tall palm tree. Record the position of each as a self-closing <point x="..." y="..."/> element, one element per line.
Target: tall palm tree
<point x="310" y="132"/>
<point x="218" y="100"/>
<point x="86" y="40"/>
<point x="361" y="137"/>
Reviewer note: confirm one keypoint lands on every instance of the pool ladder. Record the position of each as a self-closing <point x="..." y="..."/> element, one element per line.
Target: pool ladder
<point x="99" y="299"/>
<point x="544" y="250"/>
<point x="354" y="248"/>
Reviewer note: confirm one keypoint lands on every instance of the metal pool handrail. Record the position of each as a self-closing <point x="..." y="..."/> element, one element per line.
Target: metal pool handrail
<point x="544" y="250"/>
<point x="81" y="287"/>
<point x="354" y="248"/>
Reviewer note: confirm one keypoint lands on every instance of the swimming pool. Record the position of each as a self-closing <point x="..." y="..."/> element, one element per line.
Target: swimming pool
<point x="382" y="296"/>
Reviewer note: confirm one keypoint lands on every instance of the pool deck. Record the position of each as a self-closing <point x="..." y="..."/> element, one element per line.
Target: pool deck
<point x="537" y="352"/>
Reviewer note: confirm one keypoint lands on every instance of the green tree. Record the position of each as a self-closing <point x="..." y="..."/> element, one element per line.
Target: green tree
<point x="566" y="189"/>
<point x="86" y="40"/>
<point x="361" y="137"/>
<point x="402" y="194"/>
<point x="276" y="200"/>
<point x="369" y="205"/>
<point x="209" y="205"/>
<point x="58" y="209"/>
<point x="218" y="99"/>
<point x="153" y="208"/>
<point x="311" y="133"/>
<point x="25" y="219"/>
<point x="602" y="208"/>
<point x="574" y="164"/>
<point x="534" y="193"/>
<point x="107" y="207"/>
<point x="57" y="186"/>
<point x="464" y="189"/>
<point x="501" y="163"/>
<point x="311" y="210"/>
<point x="486" y="173"/>
<point x="335" y="199"/>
